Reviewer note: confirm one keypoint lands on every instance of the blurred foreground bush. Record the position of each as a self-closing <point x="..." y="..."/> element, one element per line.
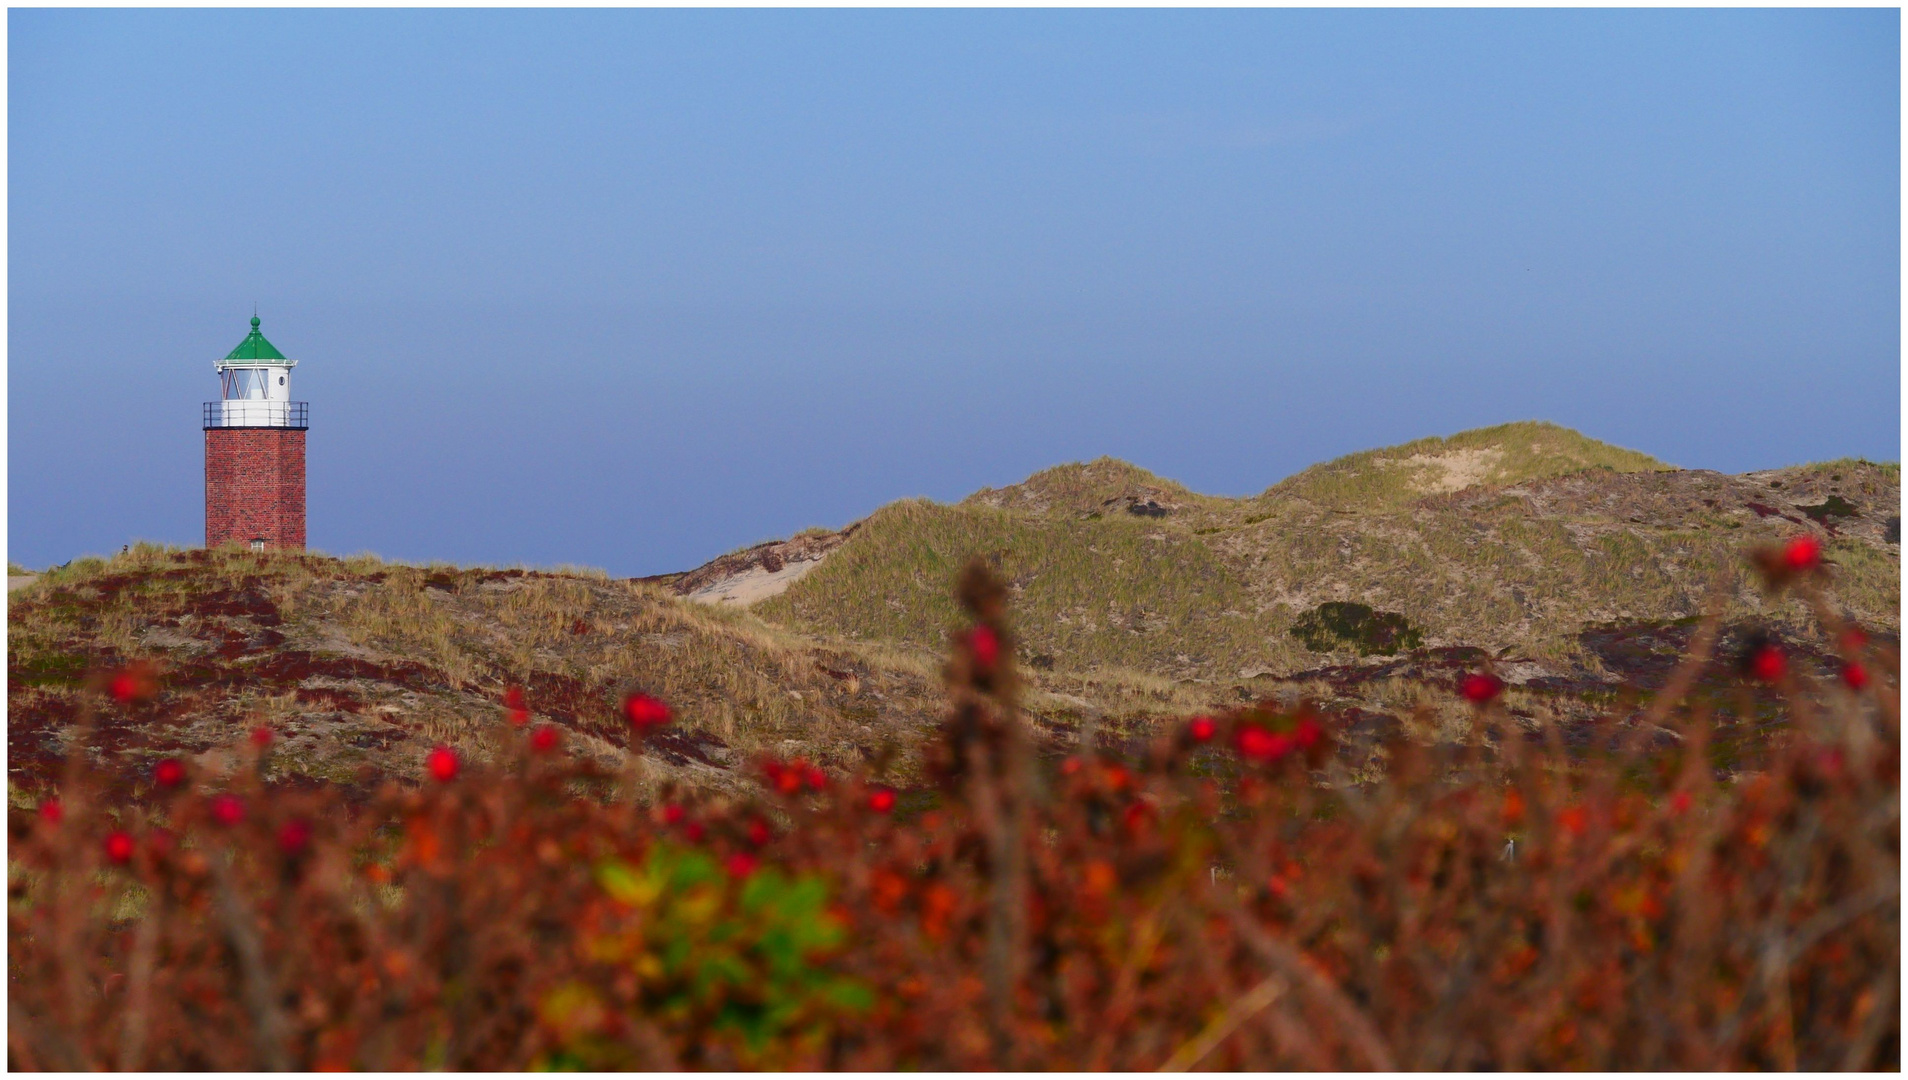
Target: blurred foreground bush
<point x="1233" y="900"/>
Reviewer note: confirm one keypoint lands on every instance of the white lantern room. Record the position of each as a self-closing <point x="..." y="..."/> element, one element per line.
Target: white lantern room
<point x="255" y="387"/>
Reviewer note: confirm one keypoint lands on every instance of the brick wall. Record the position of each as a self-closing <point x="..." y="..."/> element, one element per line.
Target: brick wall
<point x="255" y="486"/>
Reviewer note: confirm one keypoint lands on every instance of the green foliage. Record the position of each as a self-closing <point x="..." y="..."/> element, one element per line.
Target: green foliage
<point x="1339" y="625"/>
<point x="35" y="668"/>
<point x="1832" y="507"/>
<point x="747" y="958"/>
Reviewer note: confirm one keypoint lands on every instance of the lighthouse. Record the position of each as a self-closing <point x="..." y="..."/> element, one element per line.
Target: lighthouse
<point x="255" y="451"/>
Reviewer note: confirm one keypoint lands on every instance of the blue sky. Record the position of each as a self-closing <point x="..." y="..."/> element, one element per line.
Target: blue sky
<point x="630" y="289"/>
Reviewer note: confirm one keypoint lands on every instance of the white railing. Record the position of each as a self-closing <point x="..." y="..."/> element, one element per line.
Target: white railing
<point x="254" y="413"/>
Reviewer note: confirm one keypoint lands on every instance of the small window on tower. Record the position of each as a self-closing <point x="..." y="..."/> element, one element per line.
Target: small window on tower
<point x="258" y="545"/>
<point x="281" y="380"/>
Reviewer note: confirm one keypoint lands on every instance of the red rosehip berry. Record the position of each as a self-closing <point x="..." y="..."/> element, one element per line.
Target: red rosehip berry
<point x="759" y="832"/>
<point x="1307" y="734"/>
<point x="135" y="683"/>
<point x="168" y="773"/>
<point x="294" y="836"/>
<point x="672" y="814"/>
<point x="742" y="864"/>
<point x="1136" y="816"/>
<point x="544" y="739"/>
<point x="262" y="736"/>
<point x="1856" y="676"/>
<point x="513" y="697"/>
<point x="1679" y="802"/>
<point x="786" y="779"/>
<point x="881" y="800"/>
<point x="227" y="810"/>
<point x="1767" y="663"/>
<point x="52" y="812"/>
<point x="816" y="779"/>
<point x="1258" y="744"/>
<point x="1480" y="688"/>
<point x="119" y="847"/>
<point x="443" y="764"/>
<point x="645" y="712"/>
<point x="1574" y="820"/>
<point x="694" y="831"/>
<point x="985" y="645"/>
<point x="1202" y="728"/>
<point x="1802" y="554"/>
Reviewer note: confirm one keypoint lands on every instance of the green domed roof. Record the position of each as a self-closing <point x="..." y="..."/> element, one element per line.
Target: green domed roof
<point x="255" y="347"/>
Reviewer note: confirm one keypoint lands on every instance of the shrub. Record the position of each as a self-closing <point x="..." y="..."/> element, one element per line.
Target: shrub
<point x="1356" y="627"/>
<point x="1231" y="897"/>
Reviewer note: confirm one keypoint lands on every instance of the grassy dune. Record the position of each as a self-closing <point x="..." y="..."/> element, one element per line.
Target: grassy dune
<point x="357" y="662"/>
<point x="1394" y="476"/>
<point x="1550" y="532"/>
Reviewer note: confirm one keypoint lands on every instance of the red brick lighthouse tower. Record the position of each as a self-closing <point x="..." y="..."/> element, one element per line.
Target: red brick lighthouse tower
<point x="255" y="451"/>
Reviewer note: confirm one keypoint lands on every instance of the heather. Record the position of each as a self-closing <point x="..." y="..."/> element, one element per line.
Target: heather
<point x="1703" y="877"/>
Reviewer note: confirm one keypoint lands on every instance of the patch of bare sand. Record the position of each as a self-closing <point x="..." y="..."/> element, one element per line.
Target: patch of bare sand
<point x="1454" y="470"/>
<point x="754" y="584"/>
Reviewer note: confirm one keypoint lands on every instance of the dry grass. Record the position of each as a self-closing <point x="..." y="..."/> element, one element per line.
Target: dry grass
<point x="442" y="644"/>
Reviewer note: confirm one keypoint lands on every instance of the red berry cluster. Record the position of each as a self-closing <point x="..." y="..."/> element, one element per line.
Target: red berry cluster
<point x="1256" y="742"/>
<point x="645" y="712"/>
<point x="790" y="777"/>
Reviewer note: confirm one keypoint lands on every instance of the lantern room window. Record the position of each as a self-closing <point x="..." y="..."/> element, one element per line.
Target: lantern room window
<point x="246" y="384"/>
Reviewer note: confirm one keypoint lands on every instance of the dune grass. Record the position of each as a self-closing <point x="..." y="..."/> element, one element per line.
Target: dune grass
<point x="1212" y="590"/>
<point x="1506" y="454"/>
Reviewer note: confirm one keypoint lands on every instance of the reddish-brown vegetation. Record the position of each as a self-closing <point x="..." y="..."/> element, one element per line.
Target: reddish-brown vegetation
<point x="1227" y="897"/>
